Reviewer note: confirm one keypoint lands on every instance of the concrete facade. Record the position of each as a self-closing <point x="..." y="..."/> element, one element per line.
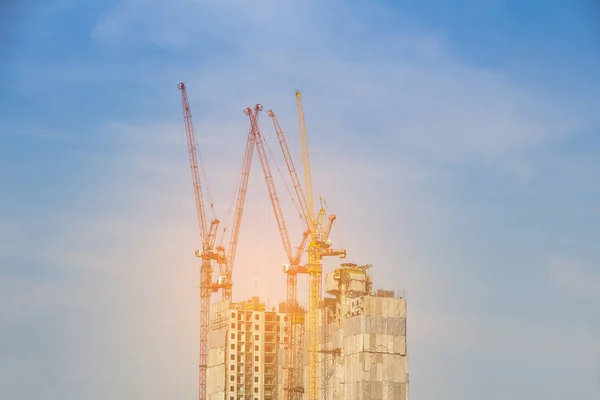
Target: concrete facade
<point x="362" y="345"/>
<point x="246" y="352"/>
<point x="363" y="351"/>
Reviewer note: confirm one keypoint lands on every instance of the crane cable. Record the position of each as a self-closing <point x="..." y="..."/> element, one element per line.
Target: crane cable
<point x="205" y="179"/>
<point x="324" y="205"/>
<point x="232" y="199"/>
<point x="287" y="188"/>
<point x="314" y="181"/>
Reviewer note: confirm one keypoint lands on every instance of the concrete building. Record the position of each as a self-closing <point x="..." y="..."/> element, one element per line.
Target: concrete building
<point x="245" y="357"/>
<point x="362" y="346"/>
<point x="363" y="352"/>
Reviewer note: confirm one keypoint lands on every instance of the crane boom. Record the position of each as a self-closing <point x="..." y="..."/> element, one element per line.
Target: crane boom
<point x="291" y="169"/>
<point x="241" y="199"/>
<point x="193" y="154"/>
<point x="264" y="162"/>
<point x="306" y="163"/>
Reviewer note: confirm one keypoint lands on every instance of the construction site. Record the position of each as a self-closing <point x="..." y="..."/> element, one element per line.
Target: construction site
<point x="348" y="342"/>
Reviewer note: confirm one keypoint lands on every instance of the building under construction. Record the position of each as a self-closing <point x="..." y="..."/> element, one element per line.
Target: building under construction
<point x="363" y="339"/>
<point x="362" y="346"/>
<point x="245" y="351"/>
<point x="351" y="345"/>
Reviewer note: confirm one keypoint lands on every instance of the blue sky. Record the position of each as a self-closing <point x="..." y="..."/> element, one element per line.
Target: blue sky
<point x="458" y="145"/>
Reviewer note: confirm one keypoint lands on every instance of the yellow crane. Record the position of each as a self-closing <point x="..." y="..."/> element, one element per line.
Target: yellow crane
<point x="319" y="247"/>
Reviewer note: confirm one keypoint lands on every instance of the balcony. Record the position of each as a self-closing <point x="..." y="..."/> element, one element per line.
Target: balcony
<point x="298" y="319"/>
<point x="269" y="383"/>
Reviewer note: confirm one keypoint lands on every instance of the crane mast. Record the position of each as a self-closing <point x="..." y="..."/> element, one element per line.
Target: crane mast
<point x="318" y="248"/>
<point x="293" y="361"/>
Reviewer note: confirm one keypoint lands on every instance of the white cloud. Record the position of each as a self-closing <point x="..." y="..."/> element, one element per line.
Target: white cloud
<point x="402" y="96"/>
<point x="383" y="112"/>
<point x="404" y="90"/>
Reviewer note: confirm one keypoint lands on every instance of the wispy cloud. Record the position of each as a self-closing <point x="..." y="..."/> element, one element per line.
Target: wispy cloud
<point x="397" y="121"/>
<point x="405" y="88"/>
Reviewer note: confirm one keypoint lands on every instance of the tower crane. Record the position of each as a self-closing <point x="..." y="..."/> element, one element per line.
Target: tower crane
<point x="208" y="253"/>
<point x="208" y="236"/>
<point x="293" y="358"/>
<point x="294" y="259"/>
<point x="319" y="247"/>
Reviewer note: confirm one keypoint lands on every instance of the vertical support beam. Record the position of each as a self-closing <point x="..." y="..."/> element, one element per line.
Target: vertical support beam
<point x="314" y="298"/>
<point x="205" y="292"/>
